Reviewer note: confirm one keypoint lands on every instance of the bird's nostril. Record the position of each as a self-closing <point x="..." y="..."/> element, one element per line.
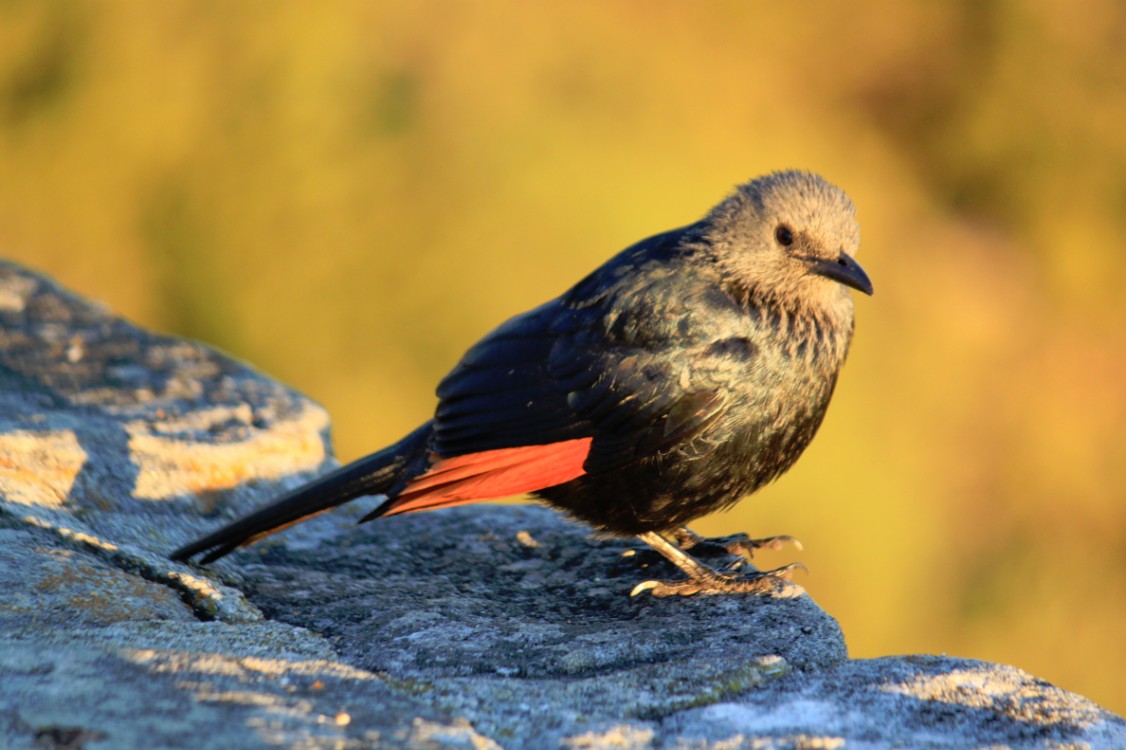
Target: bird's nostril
<point x="841" y="261"/>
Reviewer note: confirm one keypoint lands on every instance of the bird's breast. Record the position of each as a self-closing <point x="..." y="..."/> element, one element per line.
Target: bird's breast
<point x="778" y="401"/>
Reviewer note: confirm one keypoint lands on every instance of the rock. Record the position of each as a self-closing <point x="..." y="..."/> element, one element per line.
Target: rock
<point x="488" y="626"/>
<point x="515" y="617"/>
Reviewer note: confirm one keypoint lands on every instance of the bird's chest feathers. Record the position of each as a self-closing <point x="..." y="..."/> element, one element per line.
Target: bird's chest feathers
<point x="777" y="375"/>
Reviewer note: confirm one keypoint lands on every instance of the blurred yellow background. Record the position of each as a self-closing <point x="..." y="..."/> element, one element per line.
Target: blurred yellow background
<point x="347" y="194"/>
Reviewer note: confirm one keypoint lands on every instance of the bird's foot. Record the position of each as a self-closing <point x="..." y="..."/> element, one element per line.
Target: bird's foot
<point x="740" y="545"/>
<point x="705" y="581"/>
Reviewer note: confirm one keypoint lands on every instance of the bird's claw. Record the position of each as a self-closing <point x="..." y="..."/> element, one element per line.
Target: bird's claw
<point x="742" y="546"/>
<point x="644" y="586"/>
<point x="739" y="545"/>
<point x="764" y="582"/>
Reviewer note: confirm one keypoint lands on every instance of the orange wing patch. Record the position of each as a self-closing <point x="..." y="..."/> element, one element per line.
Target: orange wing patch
<point x="492" y="474"/>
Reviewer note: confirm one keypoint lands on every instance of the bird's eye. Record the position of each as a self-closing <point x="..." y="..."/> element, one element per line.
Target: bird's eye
<point x="784" y="235"/>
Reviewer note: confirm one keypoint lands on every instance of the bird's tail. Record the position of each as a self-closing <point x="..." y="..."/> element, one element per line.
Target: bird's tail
<point x="372" y="475"/>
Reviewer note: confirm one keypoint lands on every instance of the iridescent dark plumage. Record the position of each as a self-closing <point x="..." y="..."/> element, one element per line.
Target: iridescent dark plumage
<point x="685" y="373"/>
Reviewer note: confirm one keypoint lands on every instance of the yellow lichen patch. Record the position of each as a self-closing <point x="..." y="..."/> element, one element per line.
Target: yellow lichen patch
<point x="38" y="468"/>
<point x="167" y="467"/>
<point x="234" y="666"/>
<point x="198" y="586"/>
<point x="1009" y="692"/>
<point x="619" y="735"/>
<point x="78" y="536"/>
<point x="459" y="733"/>
<point x="84" y="538"/>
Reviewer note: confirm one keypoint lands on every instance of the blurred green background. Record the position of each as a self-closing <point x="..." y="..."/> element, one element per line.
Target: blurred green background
<point x="348" y="194"/>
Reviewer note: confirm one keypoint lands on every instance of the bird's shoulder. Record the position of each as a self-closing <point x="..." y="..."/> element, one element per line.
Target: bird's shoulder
<point x="664" y="291"/>
<point x="642" y="345"/>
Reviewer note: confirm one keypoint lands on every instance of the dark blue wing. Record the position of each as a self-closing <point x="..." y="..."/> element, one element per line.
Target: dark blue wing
<point x="501" y="395"/>
<point x="627" y="357"/>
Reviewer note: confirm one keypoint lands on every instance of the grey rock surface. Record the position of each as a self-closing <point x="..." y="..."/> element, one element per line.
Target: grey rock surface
<point x="489" y="626"/>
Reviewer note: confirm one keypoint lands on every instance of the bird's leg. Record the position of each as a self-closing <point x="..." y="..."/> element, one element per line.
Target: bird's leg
<point x="739" y="545"/>
<point x="704" y="580"/>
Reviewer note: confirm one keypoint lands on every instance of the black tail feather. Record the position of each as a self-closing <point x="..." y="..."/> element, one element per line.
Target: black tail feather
<point x="372" y="475"/>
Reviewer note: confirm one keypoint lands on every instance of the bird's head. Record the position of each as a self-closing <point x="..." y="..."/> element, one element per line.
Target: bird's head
<point x="791" y="237"/>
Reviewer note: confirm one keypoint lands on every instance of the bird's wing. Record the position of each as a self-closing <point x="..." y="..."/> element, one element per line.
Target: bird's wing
<point x="526" y="387"/>
<point x="501" y="394"/>
<point x="639" y="403"/>
<point x="502" y="427"/>
<point x="605" y="375"/>
<point x="610" y="360"/>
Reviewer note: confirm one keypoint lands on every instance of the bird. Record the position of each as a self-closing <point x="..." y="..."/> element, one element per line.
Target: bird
<point x="685" y="373"/>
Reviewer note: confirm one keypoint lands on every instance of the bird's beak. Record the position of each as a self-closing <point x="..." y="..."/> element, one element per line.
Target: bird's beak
<point x="845" y="270"/>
